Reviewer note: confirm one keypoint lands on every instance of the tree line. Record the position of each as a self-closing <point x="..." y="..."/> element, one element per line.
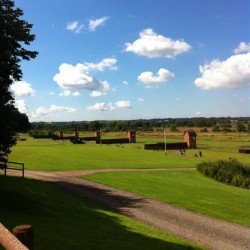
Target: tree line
<point x="216" y="124"/>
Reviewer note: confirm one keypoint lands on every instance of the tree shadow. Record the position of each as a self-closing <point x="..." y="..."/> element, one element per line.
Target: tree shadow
<point x="65" y="221"/>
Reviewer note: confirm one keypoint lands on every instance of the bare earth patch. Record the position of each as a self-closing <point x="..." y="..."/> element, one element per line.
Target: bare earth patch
<point x="197" y="228"/>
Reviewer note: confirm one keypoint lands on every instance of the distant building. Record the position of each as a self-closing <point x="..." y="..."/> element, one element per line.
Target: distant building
<point x="190" y="138"/>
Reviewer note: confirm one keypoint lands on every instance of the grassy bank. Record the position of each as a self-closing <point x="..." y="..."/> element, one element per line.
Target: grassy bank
<point x="187" y="189"/>
<point x="63" y="221"/>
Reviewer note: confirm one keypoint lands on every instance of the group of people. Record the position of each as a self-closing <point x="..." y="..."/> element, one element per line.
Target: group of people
<point x="183" y="153"/>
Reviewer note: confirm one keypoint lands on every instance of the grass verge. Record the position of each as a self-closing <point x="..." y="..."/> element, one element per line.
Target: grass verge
<point x="187" y="189"/>
<point x="64" y="221"/>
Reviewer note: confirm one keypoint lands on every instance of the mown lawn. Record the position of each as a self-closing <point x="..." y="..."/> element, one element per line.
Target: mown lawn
<point x="48" y="155"/>
<point x="187" y="189"/>
<point x="63" y="221"/>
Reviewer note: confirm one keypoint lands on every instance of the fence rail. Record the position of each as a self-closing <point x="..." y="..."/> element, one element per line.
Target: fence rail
<point x="9" y="165"/>
<point x="9" y="241"/>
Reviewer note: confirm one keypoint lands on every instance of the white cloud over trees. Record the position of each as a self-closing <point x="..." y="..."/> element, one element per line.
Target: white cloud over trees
<point x="78" y="77"/>
<point x="152" y="45"/>
<point x="102" y="106"/>
<point x="234" y="72"/>
<point x="149" y="79"/>
<point x="22" y="89"/>
<point x="21" y="106"/>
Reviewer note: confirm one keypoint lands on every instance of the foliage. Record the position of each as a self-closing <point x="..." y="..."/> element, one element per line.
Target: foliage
<point x="14" y="34"/>
<point x="231" y="172"/>
<point x="241" y="127"/>
<point x="218" y="124"/>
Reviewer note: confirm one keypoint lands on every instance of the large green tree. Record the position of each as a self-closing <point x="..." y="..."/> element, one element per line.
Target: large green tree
<point x="15" y="35"/>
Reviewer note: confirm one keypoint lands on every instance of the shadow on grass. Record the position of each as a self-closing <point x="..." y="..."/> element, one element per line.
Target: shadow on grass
<point x="64" y="221"/>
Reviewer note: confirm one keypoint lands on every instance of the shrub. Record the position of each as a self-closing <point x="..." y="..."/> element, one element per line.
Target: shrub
<point x="231" y="172"/>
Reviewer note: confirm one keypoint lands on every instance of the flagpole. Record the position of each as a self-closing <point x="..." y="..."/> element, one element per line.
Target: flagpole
<point x="165" y="141"/>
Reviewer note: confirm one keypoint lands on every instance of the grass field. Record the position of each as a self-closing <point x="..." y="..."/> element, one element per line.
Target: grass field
<point x="187" y="189"/>
<point x="48" y="155"/>
<point x="63" y="221"/>
<point x="73" y="222"/>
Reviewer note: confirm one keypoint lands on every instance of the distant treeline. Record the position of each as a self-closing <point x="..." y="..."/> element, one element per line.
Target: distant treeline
<point x="216" y="124"/>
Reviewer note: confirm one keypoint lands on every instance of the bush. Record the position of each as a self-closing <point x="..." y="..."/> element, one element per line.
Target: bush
<point x="230" y="172"/>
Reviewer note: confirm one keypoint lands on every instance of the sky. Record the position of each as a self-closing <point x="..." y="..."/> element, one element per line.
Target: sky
<point x="135" y="59"/>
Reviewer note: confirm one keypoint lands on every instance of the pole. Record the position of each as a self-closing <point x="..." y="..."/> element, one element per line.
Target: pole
<point x="165" y="141"/>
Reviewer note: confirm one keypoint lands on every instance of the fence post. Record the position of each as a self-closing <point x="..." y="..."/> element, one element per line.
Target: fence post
<point x="24" y="233"/>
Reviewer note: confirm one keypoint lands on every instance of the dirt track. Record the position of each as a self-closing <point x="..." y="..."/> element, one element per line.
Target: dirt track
<point x="203" y="230"/>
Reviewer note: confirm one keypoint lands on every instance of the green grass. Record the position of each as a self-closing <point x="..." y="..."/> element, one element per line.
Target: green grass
<point x="63" y="221"/>
<point x="187" y="189"/>
<point x="48" y="155"/>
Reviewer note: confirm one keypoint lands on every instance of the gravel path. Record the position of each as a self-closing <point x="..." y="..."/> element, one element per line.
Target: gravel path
<point x="200" y="229"/>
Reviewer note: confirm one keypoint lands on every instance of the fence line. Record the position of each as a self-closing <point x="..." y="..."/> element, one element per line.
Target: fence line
<point x="9" y="241"/>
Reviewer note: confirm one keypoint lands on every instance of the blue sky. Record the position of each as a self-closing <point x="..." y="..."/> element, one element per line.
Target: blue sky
<point x="136" y="59"/>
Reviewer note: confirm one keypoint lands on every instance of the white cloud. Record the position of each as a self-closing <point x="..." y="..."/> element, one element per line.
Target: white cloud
<point x="51" y="93"/>
<point x="141" y="100"/>
<point x="22" y="88"/>
<point x="65" y="93"/>
<point x="75" y="26"/>
<point x="123" y="104"/>
<point x="21" y="106"/>
<point x="96" y="93"/>
<point x="152" y="45"/>
<point x="198" y="113"/>
<point x="78" y="77"/>
<point x="94" y="23"/>
<point x="231" y="73"/>
<point x="125" y="83"/>
<point x="53" y="109"/>
<point x="106" y="63"/>
<point x="161" y="77"/>
<point x="242" y="48"/>
<point x="76" y="93"/>
<point x="101" y="107"/>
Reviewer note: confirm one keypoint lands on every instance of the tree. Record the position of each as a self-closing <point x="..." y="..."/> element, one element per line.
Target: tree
<point x="14" y="35"/>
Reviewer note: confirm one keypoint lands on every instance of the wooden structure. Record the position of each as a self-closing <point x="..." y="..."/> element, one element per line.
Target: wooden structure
<point x="190" y="138"/>
<point x="4" y="165"/>
<point x="9" y="241"/>
<point x="132" y="136"/>
<point x="244" y="149"/>
<point x="167" y="146"/>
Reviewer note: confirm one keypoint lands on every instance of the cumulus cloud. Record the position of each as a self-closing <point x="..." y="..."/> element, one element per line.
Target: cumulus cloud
<point x="22" y="89"/>
<point x="152" y="45"/>
<point x="125" y="83"/>
<point x="231" y="73"/>
<point x="96" y="93"/>
<point x="65" y="93"/>
<point x="141" y="100"/>
<point x="242" y="48"/>
<point x="106" y="63"/>
<point x="101" y="107"/>
<point x="123" y="104"/>
<point x="75" y="26"/>
<point x="76" y="93"/>
<point x="21" y="106"/>
<point x="160" y="77"/>
<point x="79" y="78"/>
<point x="54" y="108"/>
<point x="94" y="23"/>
